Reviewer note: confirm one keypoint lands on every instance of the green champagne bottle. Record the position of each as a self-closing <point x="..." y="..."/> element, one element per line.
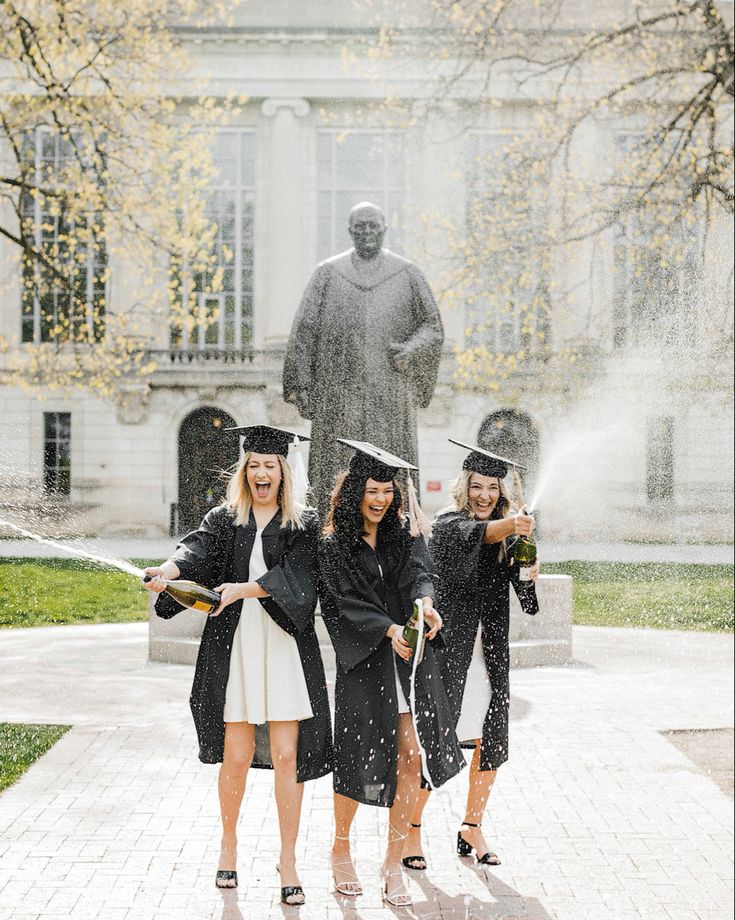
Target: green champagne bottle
<point x="411" y="629"/>
<point x="190" y="594"/>
<point x="525" y="553"/>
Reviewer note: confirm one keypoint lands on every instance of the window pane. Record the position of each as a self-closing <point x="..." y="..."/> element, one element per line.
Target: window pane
<point x="364" y="166"/>
<point x="57" y="452"/>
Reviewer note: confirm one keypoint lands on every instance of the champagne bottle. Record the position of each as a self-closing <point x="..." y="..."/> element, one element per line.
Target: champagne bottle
<point x="524" y="553"/>
<point x="190" y="594"/>
<point x="411" y="629"/>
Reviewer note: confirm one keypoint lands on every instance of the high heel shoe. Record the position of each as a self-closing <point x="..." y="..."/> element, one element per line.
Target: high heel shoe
<point x="291" y="891"/>
<point x="395" y="900"/>
<point x="466" y="849"/>
<point x="410" y="861"/>
<point x="224" y="876"/>
<point x="352" y="887"/>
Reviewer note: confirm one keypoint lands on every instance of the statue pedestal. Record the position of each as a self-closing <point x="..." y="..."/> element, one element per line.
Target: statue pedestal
<point x="545" y="639"/>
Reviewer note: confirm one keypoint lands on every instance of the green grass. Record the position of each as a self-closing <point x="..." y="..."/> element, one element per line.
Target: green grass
<point x="49" y="592"/>
<point x="22" y="745"/>
<point x="650" y="594"/>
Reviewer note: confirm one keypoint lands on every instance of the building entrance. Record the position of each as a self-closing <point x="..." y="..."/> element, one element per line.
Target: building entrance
<point x="206" y="453"/>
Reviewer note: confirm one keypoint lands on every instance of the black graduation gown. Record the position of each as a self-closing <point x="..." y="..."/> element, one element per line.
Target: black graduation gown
<point x="473" y="585"/>
<point x="358" y="606"/>
<point x="220" y="552"/>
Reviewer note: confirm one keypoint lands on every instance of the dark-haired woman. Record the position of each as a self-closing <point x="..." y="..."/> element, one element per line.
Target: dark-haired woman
<point x="259" y="696"/>
<point x="475" y="573"/>
<point x="393" y="722"/>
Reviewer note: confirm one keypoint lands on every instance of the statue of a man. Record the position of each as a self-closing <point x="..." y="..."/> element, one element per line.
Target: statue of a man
<point x="364" y="351"/>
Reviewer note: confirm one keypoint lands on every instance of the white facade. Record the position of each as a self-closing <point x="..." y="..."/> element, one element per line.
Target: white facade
<point x="303" y="149"/>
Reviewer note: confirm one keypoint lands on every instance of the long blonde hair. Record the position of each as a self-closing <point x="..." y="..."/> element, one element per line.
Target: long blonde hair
<point x="239" y="498"/>
<point x="460" y="492"/>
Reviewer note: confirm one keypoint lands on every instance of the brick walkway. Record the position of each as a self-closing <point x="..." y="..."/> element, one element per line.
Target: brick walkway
<point x="597" y="816"/>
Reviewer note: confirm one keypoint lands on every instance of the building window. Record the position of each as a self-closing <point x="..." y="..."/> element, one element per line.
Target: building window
<point x="660" y="459"/>
<point x="356" y="166"/>
<point x="228" y="311"/>
<point x="507" y="305"/>
<point x="57" y="452"/>
<point x="52" y="310"/>
<point x="656" y="269"/>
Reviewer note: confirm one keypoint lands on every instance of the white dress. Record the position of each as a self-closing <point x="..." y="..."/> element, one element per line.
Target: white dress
<point x="477" y="695"/>
<point x="266" y="681"/>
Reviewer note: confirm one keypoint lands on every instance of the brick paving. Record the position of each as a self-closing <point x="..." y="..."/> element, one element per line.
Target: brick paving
<point x="597" y="816"/>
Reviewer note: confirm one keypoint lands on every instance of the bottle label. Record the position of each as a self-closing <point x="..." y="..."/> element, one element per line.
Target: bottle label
<point x="524" y="572"/>
<point x="202" y="605"/>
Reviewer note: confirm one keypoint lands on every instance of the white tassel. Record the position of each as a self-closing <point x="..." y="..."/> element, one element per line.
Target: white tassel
<point x="300" y="476"/>
<point x="417" y="519"/>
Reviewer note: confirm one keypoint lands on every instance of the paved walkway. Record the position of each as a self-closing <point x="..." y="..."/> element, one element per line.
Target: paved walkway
<point x="597" y="816"/>
<point x="155" y="548"/>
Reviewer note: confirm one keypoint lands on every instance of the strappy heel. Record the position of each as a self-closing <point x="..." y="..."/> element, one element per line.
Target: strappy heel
<point x="395" y="900"/>
<point x="291" y="891"/>
<point x="355" y="888"/>
<point x="466" y="849"/>
<point x="223" y="877"/>
<point x="409" y="861"/>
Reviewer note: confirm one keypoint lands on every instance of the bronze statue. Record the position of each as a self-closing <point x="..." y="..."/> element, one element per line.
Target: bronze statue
<point x="364" y="351"/>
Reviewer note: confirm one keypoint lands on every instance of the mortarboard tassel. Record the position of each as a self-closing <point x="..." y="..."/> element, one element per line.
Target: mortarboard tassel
<point x="520" y="501"/>
<point x="418" y="520"/>
<point x="300" y="476"/>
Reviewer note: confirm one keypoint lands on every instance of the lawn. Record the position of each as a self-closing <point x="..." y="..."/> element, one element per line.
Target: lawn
<point x="44" y="592"/>
<point x="648" y="594"/>
<point x="22" y="745"/>
<point x="49" y="592"/>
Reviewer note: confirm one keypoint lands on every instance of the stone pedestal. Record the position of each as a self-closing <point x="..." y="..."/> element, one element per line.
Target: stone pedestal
<point x="542" y="640"/>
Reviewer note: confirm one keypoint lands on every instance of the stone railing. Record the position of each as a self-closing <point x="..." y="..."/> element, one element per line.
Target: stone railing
<point x="545" y="639"/>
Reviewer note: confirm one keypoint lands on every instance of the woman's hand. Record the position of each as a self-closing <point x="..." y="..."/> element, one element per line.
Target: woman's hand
<point x="400" y="646"/>
<point x="523" y="524"/>
<point x="432" y="617"/>
<point x="535" y="570"/>
<point x="157" y="582"/>
<point x="230" y="591"/>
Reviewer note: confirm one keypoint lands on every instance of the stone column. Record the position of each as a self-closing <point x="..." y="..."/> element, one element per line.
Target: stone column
<point x="283" y="218"/>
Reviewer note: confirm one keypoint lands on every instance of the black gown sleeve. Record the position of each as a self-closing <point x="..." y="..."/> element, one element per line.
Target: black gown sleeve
<point x="353" y="613"/>
<point x="200" y="557"/>
<point x="292" y="584"/>
<point x="455" y="546"/>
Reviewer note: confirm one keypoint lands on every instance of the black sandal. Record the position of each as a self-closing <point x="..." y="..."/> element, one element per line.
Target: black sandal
<point x="225" y="875"/>
<point x="465" y="849"/>
<point x="408" y="861"/>
<point x="291" y="891"/>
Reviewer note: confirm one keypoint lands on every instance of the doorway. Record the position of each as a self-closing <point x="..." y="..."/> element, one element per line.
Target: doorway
<point x="206" y="454"/>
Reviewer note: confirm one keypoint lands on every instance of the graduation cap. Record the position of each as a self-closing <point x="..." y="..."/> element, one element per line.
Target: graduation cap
<point x="373" y="462"/>
<point x="262" y="439"/>
<point x="485" y="463"/>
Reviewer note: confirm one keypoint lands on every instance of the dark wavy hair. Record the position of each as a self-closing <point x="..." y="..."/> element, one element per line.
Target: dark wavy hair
<point x="345" y="520"/>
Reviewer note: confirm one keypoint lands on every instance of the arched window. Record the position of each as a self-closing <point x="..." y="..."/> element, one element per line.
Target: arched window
<point x="512" y="434"/>
<point x="206" y="453"/>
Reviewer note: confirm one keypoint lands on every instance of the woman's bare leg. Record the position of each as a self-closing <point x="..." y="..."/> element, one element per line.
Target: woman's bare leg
<point x="284" y="737"/>
<point x="239" y="750"/>
<point x="343" y="869"/>
<point x="413" y="845"/>
<point x="481" y="784"/>
<point x="408" y="783"/>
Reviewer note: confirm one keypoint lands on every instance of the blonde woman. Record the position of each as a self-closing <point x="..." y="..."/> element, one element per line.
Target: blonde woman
<point x="475" y="572"/>
<point x="259" y="673"/>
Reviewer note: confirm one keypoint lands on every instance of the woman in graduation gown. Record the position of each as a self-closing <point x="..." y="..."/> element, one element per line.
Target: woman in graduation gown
<point x="259" y="695"/>
<point x="386" y="738"/>
<point x="474" y="575"/>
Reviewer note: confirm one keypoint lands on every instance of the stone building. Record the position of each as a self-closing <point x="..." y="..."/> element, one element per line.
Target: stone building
<point x="627" y="449"/>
